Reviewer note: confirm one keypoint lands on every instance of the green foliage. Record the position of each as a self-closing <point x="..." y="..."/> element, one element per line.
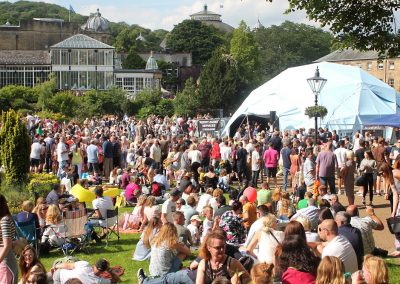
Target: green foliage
<point x="316" y="111"/>
<point x="244" y="50"/>
<point x="65" y="103"/>
<point x="27" y="10"/>
<point x="15" y="195"/>
<point x="17" y="97"/>
<point x="219" y="83"/>
<point x="186" y="102"/>
<point x="41" y="184"/>
<point x="14" y="148"/>
<point x="362" y="25"/>
<point x="133" y="61"/>
<point x="195" y="37"/>
<point x="95" y="103"/>
<point x="126" y="40"/>
<point x="290" y="45"/>
<point x="169" y="76"/>
<point x="165" y="108"/>
<point x="45" y="92"/>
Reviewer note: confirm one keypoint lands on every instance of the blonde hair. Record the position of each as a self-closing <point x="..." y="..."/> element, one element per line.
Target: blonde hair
<point x="150" y="201"/>
<point x="276" y="195"/>
<point x="285" y="205"/>
<point x="27" y="206"/>
<point x="39" y="202"/>
<point x="217" y="192"/>
<point x="350" y="155"/>
<point x="377" y="269"/>
<point x="141" y="200"/>
<point x="305" y="221"/>
<point x="53" y="215"/>
<point x="330" y="271"/>
<point x="261" y="273"/>
<point x="268" y="221"/>
<point x="168" y="235"/>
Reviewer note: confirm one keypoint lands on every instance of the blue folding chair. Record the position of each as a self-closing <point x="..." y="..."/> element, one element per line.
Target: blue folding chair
<point x="28" y="231"/>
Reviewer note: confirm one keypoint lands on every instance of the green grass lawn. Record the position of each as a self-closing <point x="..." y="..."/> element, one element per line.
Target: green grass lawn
<point x="120" y="253"/>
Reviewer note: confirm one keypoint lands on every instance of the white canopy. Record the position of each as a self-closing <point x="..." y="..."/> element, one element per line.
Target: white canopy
<point x="351" y="95"/>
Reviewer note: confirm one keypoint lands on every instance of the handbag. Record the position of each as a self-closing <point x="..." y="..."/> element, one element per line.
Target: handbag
<point x="360" y="181"/>
<point x="394" y="224"/>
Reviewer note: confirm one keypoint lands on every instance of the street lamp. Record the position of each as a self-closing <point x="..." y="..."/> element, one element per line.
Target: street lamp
<point x="316" y="84"/>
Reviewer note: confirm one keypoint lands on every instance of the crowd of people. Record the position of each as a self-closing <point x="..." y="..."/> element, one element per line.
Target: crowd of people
<point x="218" y="198"/>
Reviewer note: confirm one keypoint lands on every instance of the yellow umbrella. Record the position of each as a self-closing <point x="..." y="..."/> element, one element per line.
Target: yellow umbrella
<point x="84" y="195"/>
<point x="111" y="192"/>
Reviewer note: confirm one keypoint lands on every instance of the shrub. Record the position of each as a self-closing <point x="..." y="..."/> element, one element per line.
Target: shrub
<point x="41" y="184"/>
<point x="15" y="195"/>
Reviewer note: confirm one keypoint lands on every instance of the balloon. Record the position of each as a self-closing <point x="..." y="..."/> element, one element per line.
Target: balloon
<point x="250" y="193"/>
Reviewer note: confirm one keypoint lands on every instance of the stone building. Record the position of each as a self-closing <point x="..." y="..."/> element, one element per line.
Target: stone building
<point x="387" y="70"/>
<point x="213" y="19"/>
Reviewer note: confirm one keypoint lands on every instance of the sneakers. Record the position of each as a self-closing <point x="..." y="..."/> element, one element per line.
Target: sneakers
<point x="141" y="276"/>
<point x="363" y="200"/>
<point x="371" y="205"/>
<point x="359" y="193"/>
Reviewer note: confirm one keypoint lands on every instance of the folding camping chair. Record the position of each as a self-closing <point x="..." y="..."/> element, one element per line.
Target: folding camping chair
<point x="28" y="231"/>
<point x="77" y="237"/>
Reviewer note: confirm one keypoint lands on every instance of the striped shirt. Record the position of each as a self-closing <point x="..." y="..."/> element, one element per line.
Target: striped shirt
<point x="7" y="229"/>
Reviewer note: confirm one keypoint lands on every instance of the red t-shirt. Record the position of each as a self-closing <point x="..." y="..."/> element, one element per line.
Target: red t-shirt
<point x="293" y="276"/>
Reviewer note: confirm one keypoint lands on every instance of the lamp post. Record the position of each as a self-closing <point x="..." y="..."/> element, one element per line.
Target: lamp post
<point x="316" y="84"/>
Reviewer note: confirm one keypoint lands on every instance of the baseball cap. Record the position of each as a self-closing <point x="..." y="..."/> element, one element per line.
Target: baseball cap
<point x="195" y="217"/>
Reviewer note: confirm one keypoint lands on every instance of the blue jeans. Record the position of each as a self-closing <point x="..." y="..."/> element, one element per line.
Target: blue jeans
<point x="61" y="165"/>
<point x="171" y="278"/>
<point x="286" y="172"/>
<point x="329" y="181"/>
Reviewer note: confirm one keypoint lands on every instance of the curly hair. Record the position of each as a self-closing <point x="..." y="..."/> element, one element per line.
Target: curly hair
<point x="295" y="253"/>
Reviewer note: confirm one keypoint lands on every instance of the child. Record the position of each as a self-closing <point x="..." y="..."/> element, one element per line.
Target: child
<point x="194" y="229"/>
<point x="208" y="221"/>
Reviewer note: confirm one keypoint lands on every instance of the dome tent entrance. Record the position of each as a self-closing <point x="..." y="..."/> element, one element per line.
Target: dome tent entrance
<point x="351" y="95"/>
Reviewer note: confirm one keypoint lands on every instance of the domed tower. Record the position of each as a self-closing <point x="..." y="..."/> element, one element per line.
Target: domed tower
<point x="151" y="63"/>
<point x="96" y="23"/>
<point x="97" y="27"/>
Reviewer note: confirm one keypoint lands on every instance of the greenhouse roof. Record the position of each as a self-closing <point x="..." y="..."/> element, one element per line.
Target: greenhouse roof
<point x="80" y="41"/>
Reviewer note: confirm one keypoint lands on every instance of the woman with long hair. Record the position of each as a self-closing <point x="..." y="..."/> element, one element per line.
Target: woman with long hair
<point x="167" y="252"/>
<point x="285" y="208"/>
<point x="297" y="262"/>
<point x="267" y="239"/>
<point x="142" y="251"/>
<point x="368" y="167"/>
<point x="262" y="273"/>
<point x="216" y="263"/>
<point x="375" y="271"/>
<point x="330" y="271"/>
<point x="8" y="263"/>
<point x="396" y="199"/>
<point x="55" y="230"/>
<point x="29" y="264"/>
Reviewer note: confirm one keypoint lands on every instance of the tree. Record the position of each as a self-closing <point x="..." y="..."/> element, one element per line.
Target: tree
<point x="14" y="148"/>
<point x="219" y="83"/>
<point x="289" y="45"/>
<point x="133" y="61"/>
<point x="186" y="102"/>
<point x="362" y="25"/>
<point x="45" y="92"/>
<point x="195" y="37"/>
<point x="66" y="103"/>
<point x="244" y="50"/>
<point x="17" y="97"/>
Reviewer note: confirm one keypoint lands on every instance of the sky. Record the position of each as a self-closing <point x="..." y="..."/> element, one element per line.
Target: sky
<point x="164" y="14"/>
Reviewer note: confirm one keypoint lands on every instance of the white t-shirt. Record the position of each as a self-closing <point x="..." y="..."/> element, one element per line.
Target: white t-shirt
<point x="168" y="208"/>
<point x="204" y="200"/>
<point x="62" y="152"/>
<point x="155" y="153"/>
<point x="194" y="156"/>
<point x="36" y="149"/>
<point x="226" y="153"/>
<point x="340" y="154"/>
<point x="255" y="156"/>
<point x="103" y="204"/>
<point x="194" y="231"/>
<point x="84" y="272"/>
<point x="342" y="249"/>
<point x="207" y="227"/>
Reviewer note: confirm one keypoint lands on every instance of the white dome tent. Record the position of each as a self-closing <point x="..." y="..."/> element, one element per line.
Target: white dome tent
<point x="351" y="96"/>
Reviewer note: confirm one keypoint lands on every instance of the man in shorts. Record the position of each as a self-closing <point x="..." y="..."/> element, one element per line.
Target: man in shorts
<point x="271" y="157"/>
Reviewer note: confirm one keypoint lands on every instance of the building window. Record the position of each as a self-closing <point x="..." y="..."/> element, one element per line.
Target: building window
<point x="380" y="66"/>
<point x="139" y="84"/>
<point x="391" y="82"/>
<point x="391" y="65"/>
<point x="369" y="66"/>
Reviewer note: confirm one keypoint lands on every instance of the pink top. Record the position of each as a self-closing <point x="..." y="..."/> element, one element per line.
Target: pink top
<point x="271" y="158"/>
<point x="293" y="276"/>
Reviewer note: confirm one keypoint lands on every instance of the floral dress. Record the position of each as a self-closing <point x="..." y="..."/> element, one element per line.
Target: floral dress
<point x="232" y="225"/>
